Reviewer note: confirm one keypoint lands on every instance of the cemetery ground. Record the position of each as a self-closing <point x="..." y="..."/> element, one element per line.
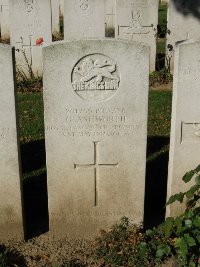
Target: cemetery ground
<point x="42" y="250"/>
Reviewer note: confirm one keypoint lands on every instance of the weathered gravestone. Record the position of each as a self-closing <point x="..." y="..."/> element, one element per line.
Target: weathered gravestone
<point x="185" y="128"/>
<point x="30" y="22"/>
<point x="84" y="19"/>
<point x="4" y="20"/>
<point x="137" y="20"/>
<point x="183" y="24"/>
<point x="11" y="225"/>
<point x="110" y="18"/>
<point x="96" y="130"/>
<point x="55" y="16"/>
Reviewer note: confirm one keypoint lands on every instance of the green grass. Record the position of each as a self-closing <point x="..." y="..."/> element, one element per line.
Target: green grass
<point x="162" y="14"/>
<point x="31" y="120"/>
<point x="161" y="45"/>
<point x="159" y="116"/>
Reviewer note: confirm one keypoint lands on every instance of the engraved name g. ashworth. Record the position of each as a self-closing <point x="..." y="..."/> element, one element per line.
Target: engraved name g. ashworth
<point x="95" y="77"/>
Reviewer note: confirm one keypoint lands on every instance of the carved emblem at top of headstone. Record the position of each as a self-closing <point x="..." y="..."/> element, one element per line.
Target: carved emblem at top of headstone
<point x="136" y="26"/>
<point x="84" y="4"/>
<point x="95" y="77"/>
<point x="29" y="5"/>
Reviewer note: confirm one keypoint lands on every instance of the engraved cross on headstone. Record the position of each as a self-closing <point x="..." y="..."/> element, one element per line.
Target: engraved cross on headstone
<point x="136" y="26"/>
<point x="26" y="45"/>
<point x="30" y="45"/>
<point x="96" y="167"/>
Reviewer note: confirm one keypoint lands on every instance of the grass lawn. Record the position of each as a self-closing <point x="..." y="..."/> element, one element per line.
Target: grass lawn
<point x="31" y="121"/>
<point x="162" y="14"/>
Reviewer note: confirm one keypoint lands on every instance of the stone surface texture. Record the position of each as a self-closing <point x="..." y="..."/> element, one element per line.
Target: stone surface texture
<point x="84" y="19"/>
<point x="4" y="20"/>
<point x="95" y="100"/>
<point x="30" y="21"/>
<point x="137" y="20"/>
<point x="185" y="125"/>
<point x="11" y="225"/>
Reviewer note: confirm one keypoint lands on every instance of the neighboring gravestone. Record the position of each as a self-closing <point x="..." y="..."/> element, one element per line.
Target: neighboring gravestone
<point x="137" y="20"/>
<point x="30" y="21"/>
<point x="185" y="128"/>
<point x="4" y="20"/>
<point x="55" y="16"/>
<point x="183" y="24"/>
<point x="96" y="131"/>
<point x="110" y="18"/>
<point x="11" y="225"/>
<point x="84" y="19"/>
<point x="61" y="8"/>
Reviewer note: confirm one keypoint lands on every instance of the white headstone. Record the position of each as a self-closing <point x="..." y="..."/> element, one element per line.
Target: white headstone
<point x="185" y="128"/>
<point x="30" y="21"/>
<point x="183" y="24"/>
<point x="55" y="16"/>
<point x="137" y="20"/>
<point x="96" y="131"/>
<point x="110" y="18"/>
<point x="84" y="19"/>
<point x="4" y="20"/>
<point x="11" y="225"/>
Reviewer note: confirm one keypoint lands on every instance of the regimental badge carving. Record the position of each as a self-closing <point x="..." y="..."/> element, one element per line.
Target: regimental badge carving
<point x="95" y="77"/>
<point x="29" y="5"/>
<point x="84" y="4"/>
<point x="136" y="26"/>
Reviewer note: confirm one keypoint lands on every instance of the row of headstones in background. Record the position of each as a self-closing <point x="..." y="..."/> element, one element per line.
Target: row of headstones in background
<point x="56" y="9"/>
<point x="183" y="24"/>
<point x="137" y="20"/>
<point x="4" y="20"/>
<point x="95" y="102"/>
<point x="134" y="20"/>
<point x="30" y="21"/>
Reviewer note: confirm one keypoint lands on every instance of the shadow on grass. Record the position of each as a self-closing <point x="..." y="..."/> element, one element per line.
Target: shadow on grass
<point x="35" y="189"/>
<point x="160" y="61"/>
<point x="33" y="156"/>
<point x="156" y="182"/>
<point x="9" y="258"/>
